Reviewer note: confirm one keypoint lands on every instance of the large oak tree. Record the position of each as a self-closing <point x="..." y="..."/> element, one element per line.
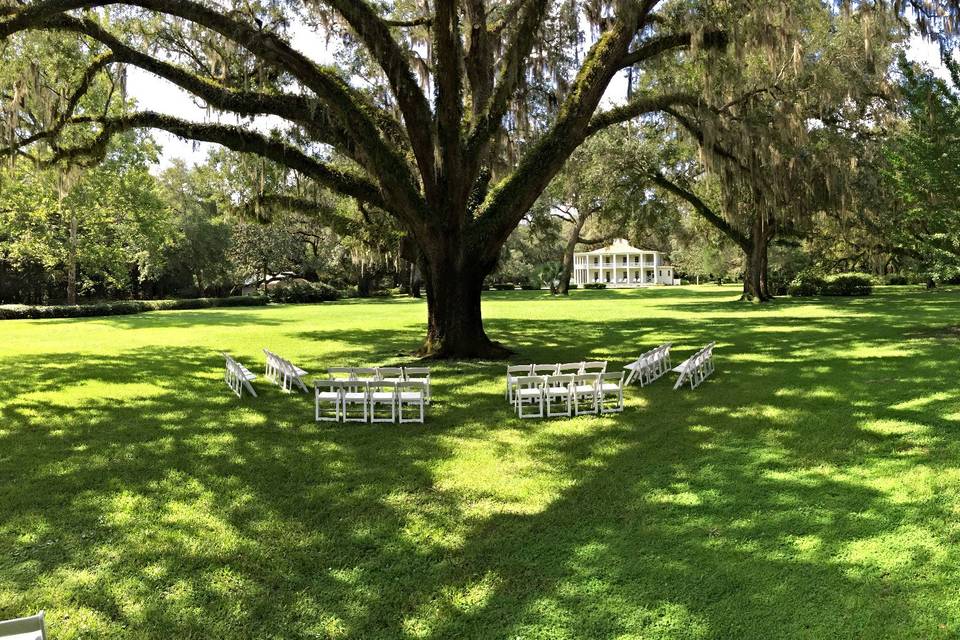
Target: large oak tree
<point x="469" y="110"/>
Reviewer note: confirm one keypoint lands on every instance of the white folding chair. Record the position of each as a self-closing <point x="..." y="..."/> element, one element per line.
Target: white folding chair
<point x="31" y="628"/>
<point x="584" y="392"/>
<point x="596" y="366"/>
<point x="696" y="368"/>
<point x="238" y="377"/>
<point x="368" y="374"/>
<point x="569" y="368"/>
<point x="382" y="393"/>
<point x="327" y="392"/>
<point x="340" y="373"/>
<point x="355" y="393"/>
<point x="392" y="374"/>
<point x="544" y="369"/>
<point x="411" y="393"/>
<point x="558" y="388"/>
<point x="610" y="385"/>
<point x="271" y="371"/>
<point x="419" y="374"/>
<point x="529" y="392"/>
<point x="290" y="375"/>
<point x="514" y="372"/>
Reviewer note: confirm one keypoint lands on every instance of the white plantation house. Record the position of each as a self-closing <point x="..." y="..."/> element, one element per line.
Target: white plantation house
<point x="620" y="265"/>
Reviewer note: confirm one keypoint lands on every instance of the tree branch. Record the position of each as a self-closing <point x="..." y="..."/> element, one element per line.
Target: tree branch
<point x="713" y="39"/>
<point x="640" y="106"/>
<point x="702" y="208"/>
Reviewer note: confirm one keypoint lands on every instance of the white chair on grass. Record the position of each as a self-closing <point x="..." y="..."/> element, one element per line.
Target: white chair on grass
<point x="411" y="393"/>
<point x="610" y="387"/>
<point x="529" y="392"/>
<point x="584" y="392"/>
<point x="649" y="366"/>
<point x="419" y="374"/>
<point x="271" y="371"/>
<point x="238" y="377"/>
<point x="382" y="393"/>
<point x="569" y="368"/>
<point x="367" y="374"/>
<point x="696" y="368"/>
<point x="340" y="373"/>
<point x="355" y="393"/>
<point x="31" y="628"/>
<point x="514" y="372"/>
<point x="557" y="388"/>
<point x="596" y="366"/>
<point x="391" y="374"/>
<point x="329" y="392"/>
<point x="544" y="369"/>
<point x="291" y="375"/>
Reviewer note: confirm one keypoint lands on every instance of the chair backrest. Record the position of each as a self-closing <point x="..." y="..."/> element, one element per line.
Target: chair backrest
<point x="356" y="386"/>
<point x="32" y="628"/>
<point x="389" y="373"/>
<point x="520" y="369"/>
<point x="530" y="382"/>
<point x="583" y="379"/>
<point x="560" y="380"/>
<point x="271" y="356"/>
<point x="341" y="373"/>
<point x="544" y="369"/>
<point x="380" y="386"/>
<point x="570" y="367"/>
<point x="419" y="374"/>
<point x="331" y="385"/>
<point x="364" y="373"/>
<point x="612" y="377"/>
<point x="595" y="366"/>
<point x="407" y="386"/>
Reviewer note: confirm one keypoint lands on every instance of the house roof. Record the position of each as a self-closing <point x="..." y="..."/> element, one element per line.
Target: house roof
<point x="619" y="246"/>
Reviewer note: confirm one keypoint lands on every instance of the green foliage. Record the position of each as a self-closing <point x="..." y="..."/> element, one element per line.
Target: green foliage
<point x="123" y="307"/>
<point x="302" y="291"/>
<point x="811" y="283"/>
<point x="807" y="283"/>
<point x="503" y="286"/>
<point x="595" y="285"/>
<point x="848" y="284"/>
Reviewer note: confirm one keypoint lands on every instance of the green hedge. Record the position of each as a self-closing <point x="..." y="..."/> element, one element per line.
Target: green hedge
<point x="123" y="307"/>
<point x="503" y="286"/>
<point x="303" y="291"/>
<point x="842" y="284"/>
<point x="595" y="285"/>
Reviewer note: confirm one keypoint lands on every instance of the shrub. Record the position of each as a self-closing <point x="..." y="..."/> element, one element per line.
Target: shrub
<point x="849" y="284"/>
<point x="530" y="286"/>
<point x="897" y="279"/>
<point x="300" y="291"/>
<point x="595" y="285"/>
<point x="503" y="286"/>
<point x="572" y="285"/>
<point x="806" y="283"/>
<point x="123" y="307"/>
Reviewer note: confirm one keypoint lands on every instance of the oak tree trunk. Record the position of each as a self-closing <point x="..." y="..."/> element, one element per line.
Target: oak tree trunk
<point x="454" y="320"/>
<point x="72" y="261"/>
<point x="568" y="252"/>
<point x="755" y="280"/>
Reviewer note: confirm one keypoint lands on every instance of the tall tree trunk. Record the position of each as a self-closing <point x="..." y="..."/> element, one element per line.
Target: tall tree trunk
<point x="568" y="252"/>
<point x="755" y="280"/>
<point x="454" y="320"/>
<point x="72" y="261"/>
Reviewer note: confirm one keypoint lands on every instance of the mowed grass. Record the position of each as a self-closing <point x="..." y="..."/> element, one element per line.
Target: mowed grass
<point x="809" y="489"/>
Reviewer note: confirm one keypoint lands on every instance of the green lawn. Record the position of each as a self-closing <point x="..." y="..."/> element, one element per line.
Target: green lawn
<point x="810" y="488"/>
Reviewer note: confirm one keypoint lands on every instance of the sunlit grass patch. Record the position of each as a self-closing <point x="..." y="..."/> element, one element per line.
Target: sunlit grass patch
<point x="810" y="488"/>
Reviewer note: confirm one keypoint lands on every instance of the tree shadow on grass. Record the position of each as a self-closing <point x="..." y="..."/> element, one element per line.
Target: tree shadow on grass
<point x="784" y="497"/>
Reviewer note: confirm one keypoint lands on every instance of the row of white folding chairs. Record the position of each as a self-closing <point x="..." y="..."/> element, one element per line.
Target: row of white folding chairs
<point x="514" y="372"/>
<point x="390" y="374"/>
<point x="367" y="395"/>
<point x="283" y="372"/>
<point x="576" y="394"/>
<point x="650" y="366"/>
<point x="696" y="368"/>
<point x="238" y="377"/>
